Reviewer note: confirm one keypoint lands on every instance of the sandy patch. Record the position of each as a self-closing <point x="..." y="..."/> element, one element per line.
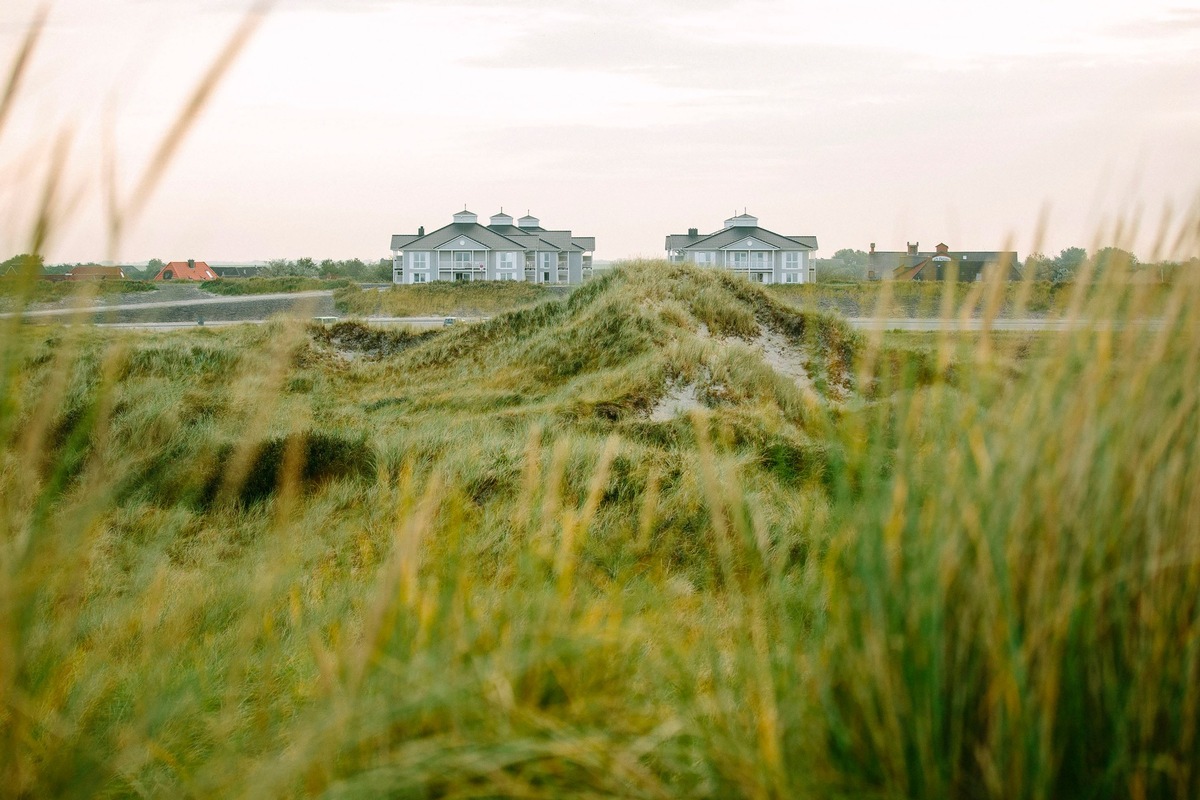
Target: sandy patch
<point x="680" y="400"/>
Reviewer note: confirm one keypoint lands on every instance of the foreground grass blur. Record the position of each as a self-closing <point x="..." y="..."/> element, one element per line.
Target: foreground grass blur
<point x="496" y="561"/>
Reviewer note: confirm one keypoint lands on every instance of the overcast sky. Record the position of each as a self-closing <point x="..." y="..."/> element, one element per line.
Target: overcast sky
<point x="345" y="121"/>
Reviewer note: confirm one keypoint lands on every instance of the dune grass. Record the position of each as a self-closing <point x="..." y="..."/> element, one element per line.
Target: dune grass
<point x="924" y="298"/>
<point x="469" y="298"/>
<point x="287" y="283"/>
<point x="290" y="561"/>
<point x="14" y="291"/>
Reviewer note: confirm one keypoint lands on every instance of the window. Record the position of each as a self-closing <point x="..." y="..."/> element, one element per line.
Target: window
<point x="507" y="276"/>
<point x="418" y="277"/>
<point x="420" y="260"/>
<point x="705" y="258"/>
<point x="791" y="277"/>
<point x="740" y="258"/>
<point x="462" y="259"/>
<point x="791" y="260"/>
<point x="545" y="277"/>
<point x="508" y="261"/>
<point x="760" y="259"/>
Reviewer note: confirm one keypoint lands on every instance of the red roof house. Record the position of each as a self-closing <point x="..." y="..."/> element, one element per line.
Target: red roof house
<point x="189" y="270"/>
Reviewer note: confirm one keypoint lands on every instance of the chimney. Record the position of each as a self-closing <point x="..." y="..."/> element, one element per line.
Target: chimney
<point x="913" y="247"/>
<point x="693" y="232"/>
<point x="872" y="247"/>
<point x="191" y="263"/>
<point x="421" y="231"/>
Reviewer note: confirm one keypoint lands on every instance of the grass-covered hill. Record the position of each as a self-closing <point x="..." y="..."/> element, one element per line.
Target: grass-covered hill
<point x="468" y="298"/>
<point x="14" y="291"/>
<point x="666" y="537"/>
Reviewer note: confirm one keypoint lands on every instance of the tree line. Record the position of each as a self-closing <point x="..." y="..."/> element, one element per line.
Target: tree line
<point x="853" y="265"/>
<point x="354" y="268"/>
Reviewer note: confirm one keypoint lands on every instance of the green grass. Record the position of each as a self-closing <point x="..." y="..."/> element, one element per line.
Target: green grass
<point x="469" y="298"/>
<point x="305" y="561"/>
<point x="38" y="291"/>
<point x="924" y="298"/>
<point x="242" y="286"/>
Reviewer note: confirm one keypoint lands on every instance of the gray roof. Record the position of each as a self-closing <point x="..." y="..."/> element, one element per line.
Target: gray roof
<point x="399" y="240"/>
<point x="530" y="238"/>
<point x="560" y="239"/>
<point x="586" y="243"/>
<point x="882" y="261"/>
<point x="728" y="236"/>
<point x="678" y="241"/>
<point x="443" y="236"/>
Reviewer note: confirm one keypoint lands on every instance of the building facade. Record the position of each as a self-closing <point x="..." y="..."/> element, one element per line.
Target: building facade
<point x="502" y="250"/>
<point x="745" y="248"/>
<point x="940" y="264"/>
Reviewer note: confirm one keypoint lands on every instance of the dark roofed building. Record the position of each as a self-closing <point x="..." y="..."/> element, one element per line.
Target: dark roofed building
<point x="237" y="272"/>
<point x="912" y="264"/>
<point x="93" y="273"/>
<point x="746" y="248"/>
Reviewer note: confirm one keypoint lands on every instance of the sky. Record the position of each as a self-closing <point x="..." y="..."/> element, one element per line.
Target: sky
<point x="1033" y="124"/>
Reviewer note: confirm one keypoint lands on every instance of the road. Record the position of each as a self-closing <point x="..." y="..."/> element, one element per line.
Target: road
<point x="215" y="300"/>
<point x="1029" y="325"/>
<point x="861" y="323"/>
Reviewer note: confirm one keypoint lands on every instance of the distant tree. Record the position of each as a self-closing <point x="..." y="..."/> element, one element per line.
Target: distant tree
<point x="383" y="271"/>
<point x="845" y="265"/>
<point x="852" y="258"/>
<point x="1115" y="258"/>
<point x="24" y="262"/>
<point x="1040" y="265"/>
<point x="155" y="265"/>
<point x="1067" y="264"/>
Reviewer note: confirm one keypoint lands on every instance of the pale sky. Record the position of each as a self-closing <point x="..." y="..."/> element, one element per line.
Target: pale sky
<point x="345" y="121"/>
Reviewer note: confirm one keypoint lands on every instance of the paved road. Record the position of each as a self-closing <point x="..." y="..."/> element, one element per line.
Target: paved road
<point x="411" y="322"/>
<point x="862" y="323"/>
<point x="1032" y="324"/>
<point x="215" y="300"/>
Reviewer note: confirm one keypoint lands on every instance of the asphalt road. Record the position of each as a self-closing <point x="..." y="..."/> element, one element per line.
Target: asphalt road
<point x="1030" y="325"/>
<point x="215" y="300"/>
<point x="862" y="323"/>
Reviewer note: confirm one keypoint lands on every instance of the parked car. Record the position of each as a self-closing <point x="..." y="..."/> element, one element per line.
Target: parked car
<point x="449" y="321"/>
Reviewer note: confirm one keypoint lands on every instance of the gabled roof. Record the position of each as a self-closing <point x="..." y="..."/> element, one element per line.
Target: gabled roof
<point x="728" y="236"/>
<point x="680" y="241"/>
<point x="585" y="243"/>
<point x="507" y="230"/>
<point x="442" y="236"/>
<point x="538" y="238"/>
<point x="237" y="272"/>
<point x="906" y="266"/>
<point x="400" y="240"/>
<point x="185" y="271"/>
<point x="750" y="242"/>
<point x="96" y="272"/>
